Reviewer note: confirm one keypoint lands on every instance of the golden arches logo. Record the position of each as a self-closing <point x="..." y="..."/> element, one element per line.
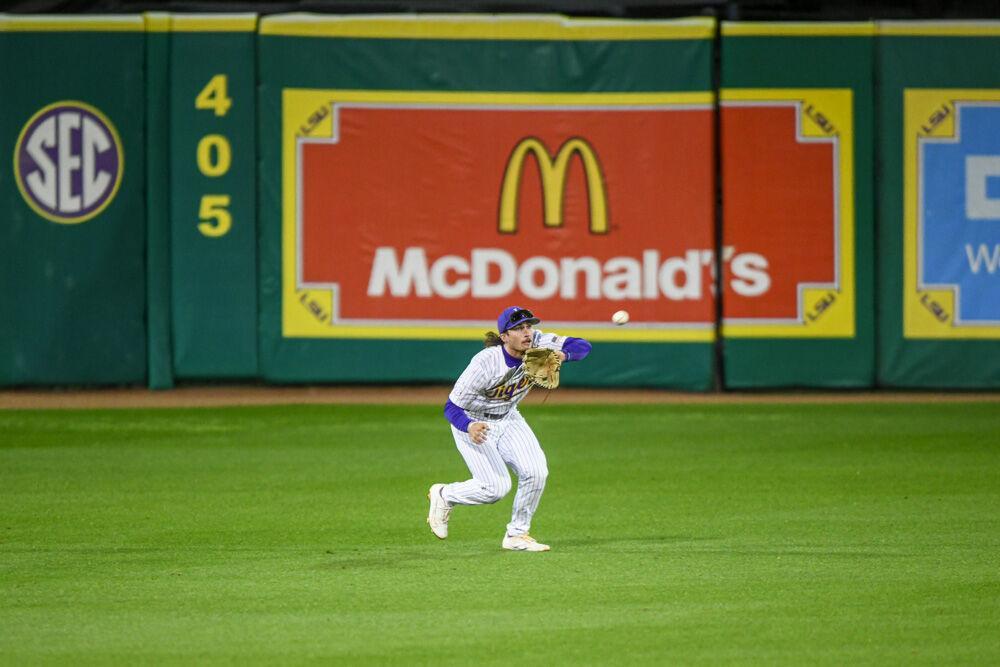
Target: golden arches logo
<point x="553" y="177"/>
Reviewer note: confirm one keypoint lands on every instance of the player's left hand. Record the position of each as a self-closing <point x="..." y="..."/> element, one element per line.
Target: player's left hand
<point x="478" y="431"/>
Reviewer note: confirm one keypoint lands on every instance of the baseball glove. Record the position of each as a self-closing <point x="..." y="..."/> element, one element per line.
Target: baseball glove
<point x="541" y="366"/>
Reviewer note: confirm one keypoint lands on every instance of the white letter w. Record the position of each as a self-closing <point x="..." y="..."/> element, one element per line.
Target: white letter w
<point x="983" y="257"/>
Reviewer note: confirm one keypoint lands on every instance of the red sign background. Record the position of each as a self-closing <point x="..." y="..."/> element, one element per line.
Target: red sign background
<point x="779" y="201"/>
<point x="431" y="178"/>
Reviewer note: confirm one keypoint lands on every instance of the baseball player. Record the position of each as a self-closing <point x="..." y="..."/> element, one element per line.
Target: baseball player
<point x="491" y="434"/>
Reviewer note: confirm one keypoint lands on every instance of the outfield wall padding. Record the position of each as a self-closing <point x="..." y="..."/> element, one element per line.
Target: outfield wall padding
<point x="73" y="295"/>
<point x="213" y="196"/>
<point x="317" y="198"/>
<point x="796" y="138"/>
<point x="160" y="371"/>
<point x="419" y="175"/>
<point x="939" y="205"/>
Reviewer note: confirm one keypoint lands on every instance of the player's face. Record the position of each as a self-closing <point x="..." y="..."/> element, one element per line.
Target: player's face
<point x="518" y="339"/>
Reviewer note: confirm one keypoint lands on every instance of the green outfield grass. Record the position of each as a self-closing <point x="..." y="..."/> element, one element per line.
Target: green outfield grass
<point x="697" y="534"/>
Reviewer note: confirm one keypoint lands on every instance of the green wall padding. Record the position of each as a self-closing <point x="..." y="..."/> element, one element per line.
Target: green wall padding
<point x="939" y="243"/>
<point x="213" y="202"/>
<point x="73" y="215"/>
<point x="376" y="142"/>
<point x="797" y="136"/>
<point x="160" y="372"/>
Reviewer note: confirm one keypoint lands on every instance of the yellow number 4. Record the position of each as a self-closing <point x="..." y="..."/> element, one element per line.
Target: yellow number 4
<point x="214" y="96"/>
<point x="215" y="216"/>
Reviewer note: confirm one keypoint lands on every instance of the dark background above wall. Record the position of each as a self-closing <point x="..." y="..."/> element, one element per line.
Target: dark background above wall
<point x="746" y="10"/>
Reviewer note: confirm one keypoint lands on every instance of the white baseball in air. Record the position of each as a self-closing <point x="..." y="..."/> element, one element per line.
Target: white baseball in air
<point x="620" y="317"/>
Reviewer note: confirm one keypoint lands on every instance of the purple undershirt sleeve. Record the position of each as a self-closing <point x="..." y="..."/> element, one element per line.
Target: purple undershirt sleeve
<point x="457" y="416"/>
<point x="576" y="349"/>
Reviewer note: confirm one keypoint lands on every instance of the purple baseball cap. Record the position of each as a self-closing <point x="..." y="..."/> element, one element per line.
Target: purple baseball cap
<point x="513" y="316"/>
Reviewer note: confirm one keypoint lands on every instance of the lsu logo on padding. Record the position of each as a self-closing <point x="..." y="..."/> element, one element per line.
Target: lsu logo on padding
<point x="68" y="162"/>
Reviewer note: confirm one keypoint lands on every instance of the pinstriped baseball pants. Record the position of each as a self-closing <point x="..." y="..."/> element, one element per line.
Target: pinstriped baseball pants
<point x="510" y="442"/>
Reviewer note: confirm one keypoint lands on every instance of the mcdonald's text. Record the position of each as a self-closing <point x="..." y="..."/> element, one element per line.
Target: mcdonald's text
<point x="496" y="273"/>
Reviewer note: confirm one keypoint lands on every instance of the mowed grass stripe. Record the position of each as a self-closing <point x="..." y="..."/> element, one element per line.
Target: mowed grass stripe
<point x="687" y="534"/>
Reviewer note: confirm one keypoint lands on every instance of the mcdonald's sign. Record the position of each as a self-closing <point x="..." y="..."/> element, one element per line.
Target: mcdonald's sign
<point x="420" y="215"/>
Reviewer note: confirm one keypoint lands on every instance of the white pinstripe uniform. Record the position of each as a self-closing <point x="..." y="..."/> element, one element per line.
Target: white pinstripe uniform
<point x="489" y="391"/>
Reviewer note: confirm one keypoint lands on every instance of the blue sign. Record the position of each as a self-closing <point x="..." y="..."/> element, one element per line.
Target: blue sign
<point x="960" y="212"/>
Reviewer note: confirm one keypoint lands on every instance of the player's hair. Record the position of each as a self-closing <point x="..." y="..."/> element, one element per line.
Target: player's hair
<point x="492" y="338"/>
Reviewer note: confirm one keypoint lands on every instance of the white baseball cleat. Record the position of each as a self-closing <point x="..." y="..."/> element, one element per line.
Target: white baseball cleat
<point x="523" y="543"/>
<point x="440" y="510"/>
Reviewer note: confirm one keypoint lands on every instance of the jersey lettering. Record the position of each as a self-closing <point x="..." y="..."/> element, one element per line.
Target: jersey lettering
<point x="507" y="391"/>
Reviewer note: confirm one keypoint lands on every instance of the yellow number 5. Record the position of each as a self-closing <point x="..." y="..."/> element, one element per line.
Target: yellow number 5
<point x="216" y="219"/>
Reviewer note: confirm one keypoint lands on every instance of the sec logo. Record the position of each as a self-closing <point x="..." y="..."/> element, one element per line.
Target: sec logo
<point x="68" y="162"/>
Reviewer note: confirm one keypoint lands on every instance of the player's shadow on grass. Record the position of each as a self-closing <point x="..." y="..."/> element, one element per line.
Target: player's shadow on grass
<point x="723" y="546"/>
<point x="349" y="560"/>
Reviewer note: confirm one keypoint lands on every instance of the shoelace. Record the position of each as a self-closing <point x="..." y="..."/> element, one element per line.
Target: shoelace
<point x="445" y="509"/>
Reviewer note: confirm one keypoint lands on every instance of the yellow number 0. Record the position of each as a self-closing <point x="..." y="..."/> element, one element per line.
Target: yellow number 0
<point x="223" y="156"/>
<point x="216" y="220"/>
